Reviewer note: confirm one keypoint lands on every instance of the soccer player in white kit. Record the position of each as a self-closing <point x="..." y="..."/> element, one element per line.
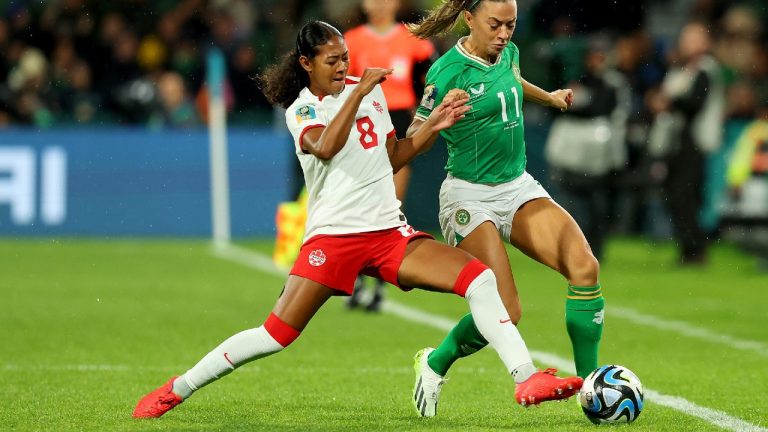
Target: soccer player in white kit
<point x="345" y="141"/>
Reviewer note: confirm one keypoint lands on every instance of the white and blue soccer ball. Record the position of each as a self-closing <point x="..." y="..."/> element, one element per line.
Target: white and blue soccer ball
<point x="611" y="394"/>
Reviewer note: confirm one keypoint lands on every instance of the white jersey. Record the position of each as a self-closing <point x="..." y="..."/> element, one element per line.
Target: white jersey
<point x="354" y="191"/>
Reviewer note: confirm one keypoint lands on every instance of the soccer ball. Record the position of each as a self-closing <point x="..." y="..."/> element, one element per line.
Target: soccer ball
<point x="611" y="394"/>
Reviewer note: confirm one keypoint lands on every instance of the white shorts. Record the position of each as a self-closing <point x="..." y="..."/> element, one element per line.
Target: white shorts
<point x="464" y="205"/>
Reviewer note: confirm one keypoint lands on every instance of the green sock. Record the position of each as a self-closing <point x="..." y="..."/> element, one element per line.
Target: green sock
<point x="462" y="340"/>
<point x="584" y="312"/>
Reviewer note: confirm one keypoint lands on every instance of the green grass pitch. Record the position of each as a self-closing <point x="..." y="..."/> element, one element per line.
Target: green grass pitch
<point x="90" y="326"/>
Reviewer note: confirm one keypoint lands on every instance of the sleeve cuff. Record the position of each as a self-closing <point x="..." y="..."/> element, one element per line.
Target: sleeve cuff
<point x="301" y="136"/>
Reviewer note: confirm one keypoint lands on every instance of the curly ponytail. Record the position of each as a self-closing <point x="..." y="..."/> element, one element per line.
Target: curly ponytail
<point x="282" y="82"/>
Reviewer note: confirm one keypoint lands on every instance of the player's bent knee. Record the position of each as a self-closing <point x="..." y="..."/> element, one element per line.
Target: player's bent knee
<point x="584" y="271"/>
<point x="281" y="332"/>
<point x="468" y="274"/>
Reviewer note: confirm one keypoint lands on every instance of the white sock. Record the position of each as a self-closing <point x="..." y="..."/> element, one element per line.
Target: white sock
<point x="492" y="320"/>
<point x="246" y="346"/>
<point x="522" y="373"/>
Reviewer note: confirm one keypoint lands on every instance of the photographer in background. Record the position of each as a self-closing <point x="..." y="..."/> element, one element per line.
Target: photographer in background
<point x="688" y="126"/>
<point x="586" y="146"/>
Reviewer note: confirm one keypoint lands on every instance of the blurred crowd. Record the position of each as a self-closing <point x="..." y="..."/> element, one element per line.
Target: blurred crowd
<point x="650" y="142"/>
<point x="138" y="62"/>
<point x="142" y="62"/>
<point x="668" y="93"/>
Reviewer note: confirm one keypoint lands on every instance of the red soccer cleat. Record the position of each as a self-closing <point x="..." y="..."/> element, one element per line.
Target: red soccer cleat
<point x="545" y="386"/>
<point x="158" y="402"/>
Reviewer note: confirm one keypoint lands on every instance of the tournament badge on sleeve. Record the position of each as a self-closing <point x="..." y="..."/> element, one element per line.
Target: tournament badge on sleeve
<point x="305" y="112"/>
<point x="430" y="94"/>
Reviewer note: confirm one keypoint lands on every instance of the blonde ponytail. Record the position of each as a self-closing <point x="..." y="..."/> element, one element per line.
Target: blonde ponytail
<point x="441" y="19"/>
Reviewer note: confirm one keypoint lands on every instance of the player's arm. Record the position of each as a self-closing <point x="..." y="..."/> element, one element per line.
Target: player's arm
<point x="420" y="139"/>
<point x="429" y="100"/>
<point x="325" y="142"/>
<point x="560" y="99"/>
<point x="413" y="129"/>
<point x="417" y="122"/>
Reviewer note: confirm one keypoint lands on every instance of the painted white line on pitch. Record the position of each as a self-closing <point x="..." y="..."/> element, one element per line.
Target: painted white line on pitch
<point x="247" y="258"/>
<point x="260" y="262"/>
<point x="685" y="329"/>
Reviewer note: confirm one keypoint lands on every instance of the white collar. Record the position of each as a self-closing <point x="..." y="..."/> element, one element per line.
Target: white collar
<point x="463" y="51"/>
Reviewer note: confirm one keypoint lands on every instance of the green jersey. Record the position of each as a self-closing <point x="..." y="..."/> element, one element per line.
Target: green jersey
<point x="487" y="146"/>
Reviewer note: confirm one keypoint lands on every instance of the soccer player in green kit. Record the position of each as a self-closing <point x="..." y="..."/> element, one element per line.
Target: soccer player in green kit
<point x="488" y="197"/>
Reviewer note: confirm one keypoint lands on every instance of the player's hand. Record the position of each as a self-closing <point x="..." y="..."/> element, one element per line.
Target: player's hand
<point x="455" y="94"/>
<point x="370" y="78"/>
<point x="562" y="99"/>
<point x="450" y="111"/>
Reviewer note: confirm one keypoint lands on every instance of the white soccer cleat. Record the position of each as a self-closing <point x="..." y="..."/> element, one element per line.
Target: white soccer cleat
<point x="426" y="391"/>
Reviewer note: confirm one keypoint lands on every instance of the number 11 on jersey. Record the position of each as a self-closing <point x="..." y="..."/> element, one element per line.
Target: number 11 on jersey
<point x="504" y="104"/>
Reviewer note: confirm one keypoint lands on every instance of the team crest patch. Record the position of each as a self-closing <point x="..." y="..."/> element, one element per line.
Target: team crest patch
<point x="516" y="71"/>
<point x="378" y="107"/>
<point x="305" y="112"/>
<point x="430" y="94"/>
<point x="462" y="217"/>
<point x="316" y="258"/>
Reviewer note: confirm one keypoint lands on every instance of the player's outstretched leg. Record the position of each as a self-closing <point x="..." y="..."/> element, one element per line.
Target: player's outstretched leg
<point x="236" y="351"/>
<point x="300" y="300"/>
